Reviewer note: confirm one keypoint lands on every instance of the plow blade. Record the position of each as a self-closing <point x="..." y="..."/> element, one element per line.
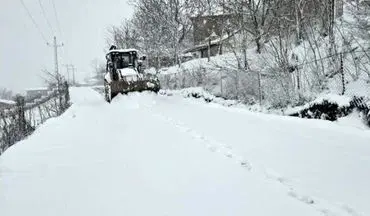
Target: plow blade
<point x="123" y="86"/>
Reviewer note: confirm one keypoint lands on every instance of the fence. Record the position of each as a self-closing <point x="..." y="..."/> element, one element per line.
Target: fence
<point x="20" y="121"/>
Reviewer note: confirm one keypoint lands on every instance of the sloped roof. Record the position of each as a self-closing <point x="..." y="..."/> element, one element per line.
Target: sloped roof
<point x="9" y="102"/>
<point x="37" y="89"/>
<point x="213" y="42"/>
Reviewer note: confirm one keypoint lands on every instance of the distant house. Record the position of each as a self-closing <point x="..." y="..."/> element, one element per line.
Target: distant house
<point x="210" y="32"/>
<point x="33" y="93"/>
<point x="5" y="104"/>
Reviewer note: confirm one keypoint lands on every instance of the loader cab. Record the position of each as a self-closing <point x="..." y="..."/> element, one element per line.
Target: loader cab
<point x="125" y="58"/>
<point x="119" y="59"/>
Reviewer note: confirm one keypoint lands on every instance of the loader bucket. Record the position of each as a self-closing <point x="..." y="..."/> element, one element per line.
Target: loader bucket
<point x="123" y="87"/>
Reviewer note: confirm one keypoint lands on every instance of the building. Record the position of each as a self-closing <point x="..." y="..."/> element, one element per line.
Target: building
<point x="212" y="32"/>
<point x="34" y="93"/>
<point x="6" y="104"/>
<point x="211" y="26"/>
<point x="209" y="33"/>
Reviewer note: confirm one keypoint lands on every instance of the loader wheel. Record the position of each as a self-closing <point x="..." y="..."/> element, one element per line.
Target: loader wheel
<point x="107" y="92"/>
<point x="156" y="90"/>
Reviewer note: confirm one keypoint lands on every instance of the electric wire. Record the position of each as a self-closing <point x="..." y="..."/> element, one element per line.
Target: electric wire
<point x="45" y="17"/>
<point x="56" y="17"/>
<point x="33" y="21"/>
<point x="331" y="56"/>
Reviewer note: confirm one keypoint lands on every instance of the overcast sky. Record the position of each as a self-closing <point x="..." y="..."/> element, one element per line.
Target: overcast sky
<point x="83" y="24"/>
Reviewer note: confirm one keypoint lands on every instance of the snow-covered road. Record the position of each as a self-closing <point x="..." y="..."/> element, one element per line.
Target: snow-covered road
<point x="146" y="154"/>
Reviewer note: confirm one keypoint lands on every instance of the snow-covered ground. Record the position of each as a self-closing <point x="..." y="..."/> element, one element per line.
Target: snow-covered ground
<point x="146" y="154"/>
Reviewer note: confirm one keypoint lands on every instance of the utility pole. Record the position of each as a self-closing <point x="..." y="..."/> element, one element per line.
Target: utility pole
<point x="74" y="74"/>
<point x="58" y="77"/>
<point x="71" y="68"/>
<point x="68" y="72"/>
<point x="259" y="87"/>
<point x="342" y="74"/>
<point x="331" y="6"/>
<point x="55" y="45"/>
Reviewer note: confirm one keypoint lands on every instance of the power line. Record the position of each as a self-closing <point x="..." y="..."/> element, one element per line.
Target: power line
<point x="56" y="17"/>
<point x="34" y="22"/>
<point x="44" y="14"/>
<point x="331" y="56"/>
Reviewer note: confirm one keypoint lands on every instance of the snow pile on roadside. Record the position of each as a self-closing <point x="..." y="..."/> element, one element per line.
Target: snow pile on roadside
<point x="330" y="107"/>
<point x="206" y="96"/>
<point x="354" y="119"/>
<point x="200" y="93"/>
<point x="341" y="100"/>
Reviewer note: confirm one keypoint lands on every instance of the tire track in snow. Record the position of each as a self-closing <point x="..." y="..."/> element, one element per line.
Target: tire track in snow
<point x="322" y="206"/>
<point x="211" y="144"/>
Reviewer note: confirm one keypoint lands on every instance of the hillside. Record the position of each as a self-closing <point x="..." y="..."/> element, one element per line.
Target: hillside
<point x="285" y="75"/>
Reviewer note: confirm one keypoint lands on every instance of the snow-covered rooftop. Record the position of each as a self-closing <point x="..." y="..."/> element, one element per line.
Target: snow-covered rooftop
<point x="37" y="89"/>
<point x="213" y="42"/>
<point x="123" y="50"/>
<point x="9" y="102"/>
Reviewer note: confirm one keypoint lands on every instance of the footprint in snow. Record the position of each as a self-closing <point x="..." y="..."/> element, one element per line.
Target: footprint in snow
<point x="245" y="164"/>
<point x="229" y="155"/>
<point x="212" y="148"/>
<point x="304" y="199"/>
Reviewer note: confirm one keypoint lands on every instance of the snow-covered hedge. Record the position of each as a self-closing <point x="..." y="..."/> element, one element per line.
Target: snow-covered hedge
<point x="332" y="107"/>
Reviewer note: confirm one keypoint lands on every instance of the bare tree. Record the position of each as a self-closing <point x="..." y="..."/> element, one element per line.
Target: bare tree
<point x="6" y="94"/>
<point x="58" y="81"/>
<point x="164" y="25"/>
<point x="256" y="18"/>
<point x="123" y="36"/>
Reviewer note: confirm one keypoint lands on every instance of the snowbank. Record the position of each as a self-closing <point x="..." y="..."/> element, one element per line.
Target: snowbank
<point x="330" y="107"/>
<point x="200" y="93"/>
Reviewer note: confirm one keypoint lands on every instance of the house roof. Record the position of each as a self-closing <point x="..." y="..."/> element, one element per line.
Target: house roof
<point x="8" y="102"/>
<point x="213" y="43"/>
<point x="201" y="46"/>
<point x="37" y="89"/>
<point x="215" y="10"/>
<point x="206" y="15"/>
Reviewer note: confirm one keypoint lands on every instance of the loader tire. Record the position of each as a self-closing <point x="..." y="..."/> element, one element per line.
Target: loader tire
<point x="107" y="91"/>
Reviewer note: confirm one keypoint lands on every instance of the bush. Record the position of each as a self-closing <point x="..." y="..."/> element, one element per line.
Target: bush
<point x="331" y="110"/>
<point x="325" y="110"/>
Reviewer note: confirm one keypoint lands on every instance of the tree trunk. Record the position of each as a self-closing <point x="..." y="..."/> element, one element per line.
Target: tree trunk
<point x="258" y="44"/>
<point x="259" y="88"/>
<point x="209" y="49"/>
